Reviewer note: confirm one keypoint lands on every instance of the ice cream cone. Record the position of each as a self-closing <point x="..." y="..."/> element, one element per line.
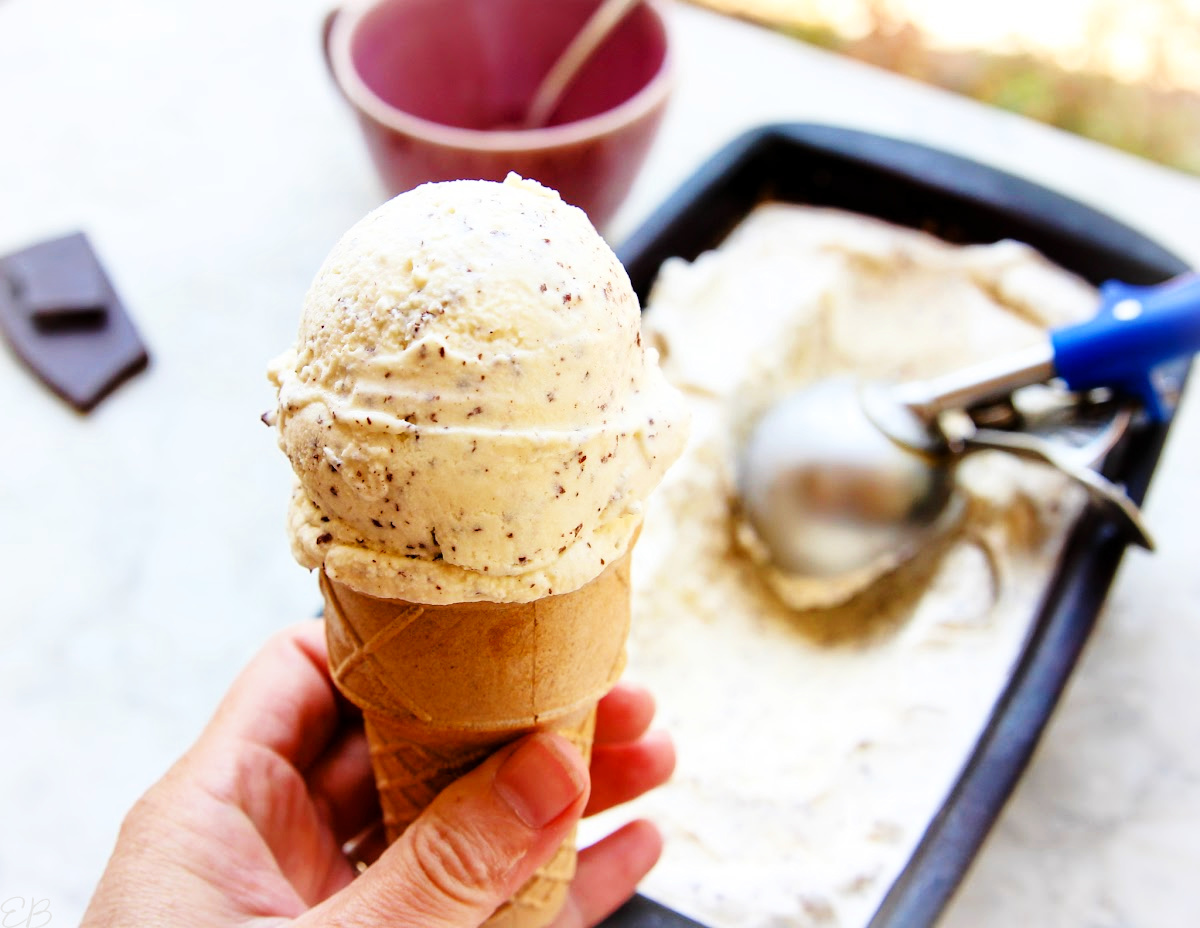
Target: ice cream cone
<point x="474" y="424"/>
<point x="443" y="686"/>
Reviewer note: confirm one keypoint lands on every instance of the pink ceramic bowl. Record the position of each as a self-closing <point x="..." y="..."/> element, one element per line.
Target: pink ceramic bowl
<point x="438" y="85"/>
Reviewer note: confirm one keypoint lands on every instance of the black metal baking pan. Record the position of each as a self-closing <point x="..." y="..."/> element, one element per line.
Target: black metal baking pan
<point x="963" y="202"/>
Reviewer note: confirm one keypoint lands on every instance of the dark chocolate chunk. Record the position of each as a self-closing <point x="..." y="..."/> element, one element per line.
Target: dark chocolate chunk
<point x="65" y="321"/>
<point x="59" y="283"/>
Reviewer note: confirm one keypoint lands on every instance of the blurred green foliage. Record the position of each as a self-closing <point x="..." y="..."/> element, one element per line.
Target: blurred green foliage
<point x="1162" y="125"/>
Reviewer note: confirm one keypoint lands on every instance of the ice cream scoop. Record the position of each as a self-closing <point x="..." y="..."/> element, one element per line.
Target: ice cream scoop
<point x="848" y="480"/>
<point x="469" y="408"/>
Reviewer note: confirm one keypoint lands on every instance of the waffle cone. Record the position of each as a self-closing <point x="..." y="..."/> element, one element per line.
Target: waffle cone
<point x="442" y="687"/>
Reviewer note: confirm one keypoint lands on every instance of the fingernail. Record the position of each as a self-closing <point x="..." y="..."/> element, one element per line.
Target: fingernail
<point x="540" y="780"/>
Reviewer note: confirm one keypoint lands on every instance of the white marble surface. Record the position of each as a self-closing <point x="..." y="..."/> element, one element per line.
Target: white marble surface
<point x="203" y="149"/>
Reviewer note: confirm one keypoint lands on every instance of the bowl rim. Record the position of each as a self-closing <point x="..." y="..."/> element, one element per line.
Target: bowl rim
<point x="341" y="29"/>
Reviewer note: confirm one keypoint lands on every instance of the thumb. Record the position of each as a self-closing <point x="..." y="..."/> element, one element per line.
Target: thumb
<point x="477" y="843"/>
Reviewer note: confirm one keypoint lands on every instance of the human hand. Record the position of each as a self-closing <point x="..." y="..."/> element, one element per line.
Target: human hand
<point x="251" y="823"/>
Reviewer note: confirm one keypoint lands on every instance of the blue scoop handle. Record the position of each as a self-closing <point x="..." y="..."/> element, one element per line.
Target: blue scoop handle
<point x="1135" y="330"/>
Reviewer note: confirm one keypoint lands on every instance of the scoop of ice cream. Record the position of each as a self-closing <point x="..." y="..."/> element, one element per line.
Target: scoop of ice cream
<point x="468" y="407"/>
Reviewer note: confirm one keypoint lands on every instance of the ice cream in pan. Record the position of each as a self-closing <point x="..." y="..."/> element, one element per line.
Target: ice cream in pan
<point x="847" y="479"/>
<point x="474" y="424"/>
<point x="852" y="721"/>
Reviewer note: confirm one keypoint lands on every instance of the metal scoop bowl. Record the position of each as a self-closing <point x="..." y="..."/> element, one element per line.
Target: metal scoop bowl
<point x="849" y="480"/>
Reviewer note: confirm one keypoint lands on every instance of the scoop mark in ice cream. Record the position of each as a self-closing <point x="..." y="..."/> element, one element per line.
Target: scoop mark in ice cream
<point x="851" y="723"/>
<point x="450" y="336"/>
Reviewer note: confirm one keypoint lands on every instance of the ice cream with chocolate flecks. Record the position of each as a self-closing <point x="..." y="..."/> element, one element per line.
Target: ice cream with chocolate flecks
<point x="469" y="407"/>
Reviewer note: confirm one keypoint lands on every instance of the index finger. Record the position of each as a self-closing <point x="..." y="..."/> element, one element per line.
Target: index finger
<point x="284" y="700"/>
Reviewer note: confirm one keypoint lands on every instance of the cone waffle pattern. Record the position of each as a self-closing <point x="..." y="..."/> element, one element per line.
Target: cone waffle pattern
<point x="443" y="687"/>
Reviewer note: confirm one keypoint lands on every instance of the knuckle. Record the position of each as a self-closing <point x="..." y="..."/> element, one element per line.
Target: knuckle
<point x="147" y="813"/>
<point x="459" y="865"/>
